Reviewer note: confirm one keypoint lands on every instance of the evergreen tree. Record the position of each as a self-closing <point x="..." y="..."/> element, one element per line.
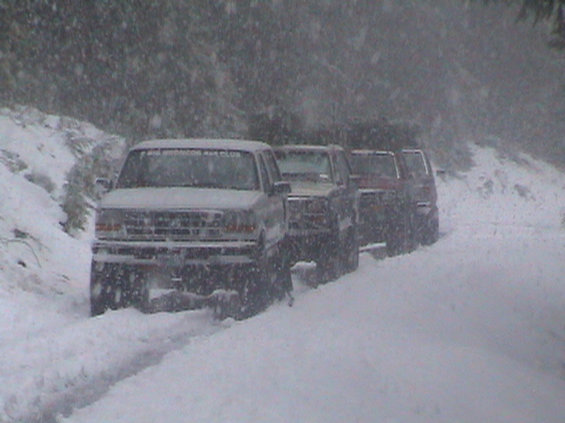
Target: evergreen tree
<point x="544" y="10"/>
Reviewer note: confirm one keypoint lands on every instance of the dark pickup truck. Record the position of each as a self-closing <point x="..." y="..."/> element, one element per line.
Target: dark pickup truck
<point x="323" y="206"/>
<point x="426" y="222"/>
<point x="387" y="208"/>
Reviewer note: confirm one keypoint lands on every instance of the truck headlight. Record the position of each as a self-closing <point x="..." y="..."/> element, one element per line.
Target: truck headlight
<point x="241" y="221"/>
<point x="109" y="224"/>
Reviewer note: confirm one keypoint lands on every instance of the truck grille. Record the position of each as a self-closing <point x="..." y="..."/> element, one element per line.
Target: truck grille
<point x="172" y="225"/>
<point x="376" y="197"/>
<point x="303" y="217"/>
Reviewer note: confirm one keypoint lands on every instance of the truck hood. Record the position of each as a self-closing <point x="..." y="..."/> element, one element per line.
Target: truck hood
<point x="379" y="182"/>
<point x="179" y="198"/>
<point x="310" y="189"/>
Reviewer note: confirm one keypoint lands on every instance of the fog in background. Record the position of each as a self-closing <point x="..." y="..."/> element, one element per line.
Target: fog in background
<point x="461" y="71"/>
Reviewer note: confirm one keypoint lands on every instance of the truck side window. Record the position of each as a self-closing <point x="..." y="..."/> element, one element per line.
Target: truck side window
<point x="342" y="167"/>
<point x="272" y="167"/>
<point x="267" y="183"/>
<point x="338" y="176"/>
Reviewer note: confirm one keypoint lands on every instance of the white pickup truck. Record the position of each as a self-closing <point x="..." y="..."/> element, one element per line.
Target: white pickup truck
<point x="195" y="215"/>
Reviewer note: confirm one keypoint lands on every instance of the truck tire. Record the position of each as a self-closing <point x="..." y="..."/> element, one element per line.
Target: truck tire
<point x="114" y="287"/>
<point x="350" y="257"/>
<point x="256" y="290"/>
<point x="330" y="265"/>
<point x="430" y="232"/>
<point x="103" y="295"/>
<point x="399" y="237"/>
<point x="283" y="281"/>
<point x="99" y="302"/>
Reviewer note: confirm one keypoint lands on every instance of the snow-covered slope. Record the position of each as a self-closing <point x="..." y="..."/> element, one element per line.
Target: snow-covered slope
<point x="505" y="191"/>
<point x="471" y="329"/>
<point x="42" y="269"/>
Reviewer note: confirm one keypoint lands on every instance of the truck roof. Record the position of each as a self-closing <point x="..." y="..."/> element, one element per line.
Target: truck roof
<point x="211" y="143"/>
<point x="308" y="147"/>
<point x="367" y="152"/>
<point x="412" y="150"/>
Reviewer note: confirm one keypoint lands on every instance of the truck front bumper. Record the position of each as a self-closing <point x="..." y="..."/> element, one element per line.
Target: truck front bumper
<point x="174" y="254"/>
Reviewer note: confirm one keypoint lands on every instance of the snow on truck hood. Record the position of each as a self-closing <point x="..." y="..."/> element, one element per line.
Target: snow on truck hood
<point x="179" y="198"/>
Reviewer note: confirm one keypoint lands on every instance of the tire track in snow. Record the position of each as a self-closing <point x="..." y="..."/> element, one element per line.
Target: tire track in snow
<point x="58" y="370"/>
<point x="65" y="368"/>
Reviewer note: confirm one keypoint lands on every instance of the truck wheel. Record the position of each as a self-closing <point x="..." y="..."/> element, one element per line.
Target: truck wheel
<point x="392" y="239"/>
<point x="398" y="235"/>
<point x="283" y="277"/>
<point x="430" y="232"/>
<point x="255" y="291"/>
<point x="115" y="287"/>
<point x="411" y="239"/>
<point x="98" y="297"/>
<point x="102" y="292"/>
<point x="351" y="251"/>
<point x="330" y="265"/>
<point x="138" y="293"/>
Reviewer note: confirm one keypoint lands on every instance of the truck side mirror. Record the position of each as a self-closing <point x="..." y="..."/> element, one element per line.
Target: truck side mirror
<point x="103" y="185"/>
<point x="355" y="179"/>
<point x="281" y="187"/>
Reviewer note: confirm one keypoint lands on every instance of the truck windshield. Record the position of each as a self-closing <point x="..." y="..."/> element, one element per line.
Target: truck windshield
<point x="415" y="163"/>
<point x="198" y="168"/>
<point x="374" y="164"/>
<point x="304" y="165"/>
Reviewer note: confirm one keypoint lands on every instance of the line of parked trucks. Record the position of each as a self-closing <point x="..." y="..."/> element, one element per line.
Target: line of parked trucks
<point x="220" y="223"/>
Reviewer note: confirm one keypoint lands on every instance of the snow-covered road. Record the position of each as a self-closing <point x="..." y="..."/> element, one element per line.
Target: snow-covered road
<point x="51" y="371"/>
<point x="469" y="330"/>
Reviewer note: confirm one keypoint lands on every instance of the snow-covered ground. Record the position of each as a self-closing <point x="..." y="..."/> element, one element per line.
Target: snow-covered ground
<point x="471" y="329"/>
